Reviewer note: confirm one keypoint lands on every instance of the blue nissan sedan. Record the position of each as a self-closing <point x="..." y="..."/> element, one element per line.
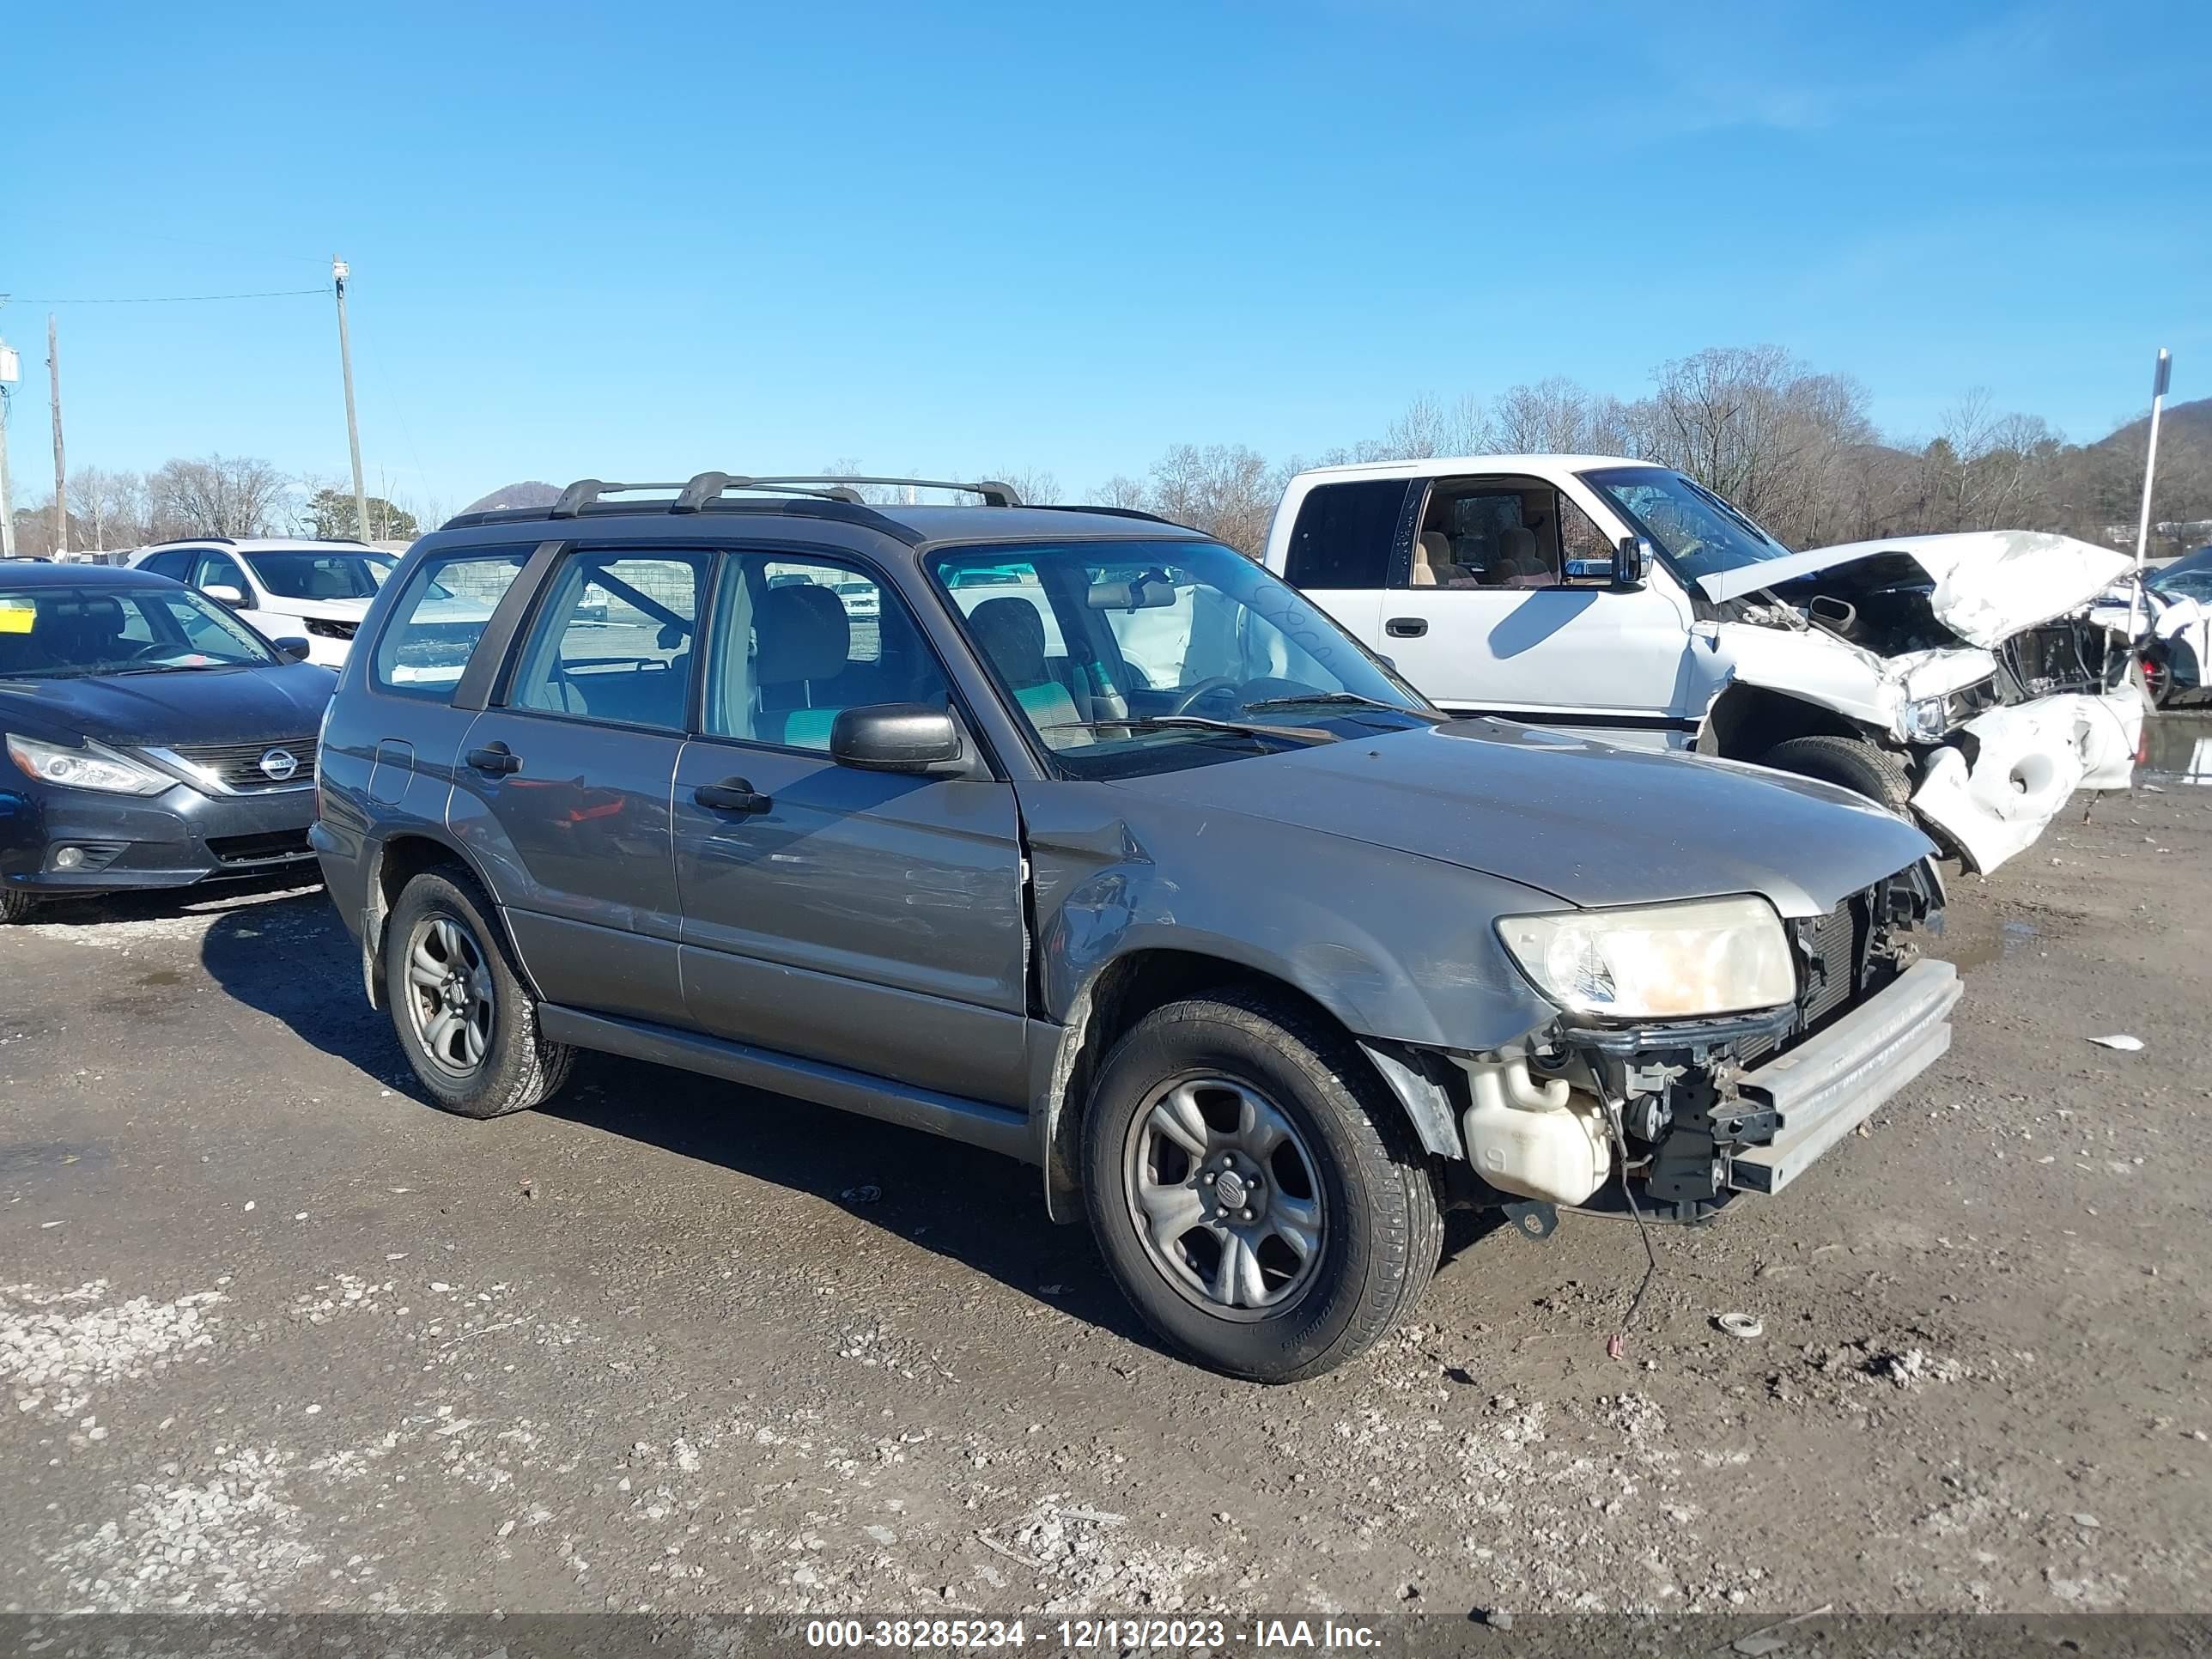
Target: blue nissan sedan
<point x="153" y="739"/>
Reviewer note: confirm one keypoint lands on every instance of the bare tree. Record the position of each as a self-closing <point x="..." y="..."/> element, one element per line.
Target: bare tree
<point x="221" y="495"/>
<point x="1226" y="490"/>
<point x="1122" y="490"/>
<point x="1430" y="427"/>
<point x="1033" y="485"/>
<point x="111" y="506"/>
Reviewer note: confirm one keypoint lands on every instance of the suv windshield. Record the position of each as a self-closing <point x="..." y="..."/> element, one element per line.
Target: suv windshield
<point x="68" y="633"/>
<point x="1128" y="657"/>
<point x="306" y="575"/>
<point x="1699" y="531"/>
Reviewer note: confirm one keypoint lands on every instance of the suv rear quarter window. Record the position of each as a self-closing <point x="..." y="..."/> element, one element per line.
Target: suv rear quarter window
<point x="1345" y="535"/>
<point x="433" y="628"/>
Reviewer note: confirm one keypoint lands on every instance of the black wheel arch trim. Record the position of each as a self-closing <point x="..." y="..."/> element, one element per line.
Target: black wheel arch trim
<point x="375" y="910"/>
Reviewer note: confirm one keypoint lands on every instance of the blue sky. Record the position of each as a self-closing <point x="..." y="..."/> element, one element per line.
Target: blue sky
<point x="641" y="241"/>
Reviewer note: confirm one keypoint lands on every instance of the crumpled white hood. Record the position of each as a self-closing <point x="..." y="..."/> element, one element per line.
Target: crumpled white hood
<point x="1990" y="584"/>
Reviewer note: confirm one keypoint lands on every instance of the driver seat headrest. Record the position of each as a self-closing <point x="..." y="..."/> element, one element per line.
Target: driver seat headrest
<point x="1010" y="633"/>
<point x="804" y="635"/>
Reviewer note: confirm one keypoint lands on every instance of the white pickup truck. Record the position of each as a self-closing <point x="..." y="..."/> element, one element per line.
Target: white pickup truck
<point x="1958" y="677"/>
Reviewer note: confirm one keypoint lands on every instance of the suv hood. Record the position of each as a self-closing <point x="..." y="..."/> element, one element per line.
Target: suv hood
<point x="1584" y="822"/>
<point x="1990" y="584"/>
<point x="230" y="705"/>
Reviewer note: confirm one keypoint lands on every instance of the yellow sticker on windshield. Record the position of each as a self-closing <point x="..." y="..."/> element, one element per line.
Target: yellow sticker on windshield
<point x="16" y="618"/>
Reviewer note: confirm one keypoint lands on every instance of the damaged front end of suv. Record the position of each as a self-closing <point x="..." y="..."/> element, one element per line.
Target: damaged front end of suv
<point x="1975" y="667"/>
<point x="1628" y="1100"/>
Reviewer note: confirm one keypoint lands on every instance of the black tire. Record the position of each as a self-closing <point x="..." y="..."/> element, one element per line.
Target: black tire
<point x="1849" y="763"/>
<point x="16" y="906"/>
<point x="517" y="1067"/>
<point x="1383" y="1226"/>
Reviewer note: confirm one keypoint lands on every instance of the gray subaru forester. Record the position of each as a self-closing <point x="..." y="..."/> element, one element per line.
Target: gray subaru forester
<point x="1071" y="834"/>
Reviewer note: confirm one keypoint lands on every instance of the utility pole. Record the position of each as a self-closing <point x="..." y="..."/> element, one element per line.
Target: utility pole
<point x="61" y="494"/>
<point x="338" y="274"/>
<point x="10" y="369"/>
<point x="2161" y="378"/>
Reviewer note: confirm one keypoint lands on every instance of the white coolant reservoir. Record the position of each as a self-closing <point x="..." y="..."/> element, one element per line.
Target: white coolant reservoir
<point x="1538" y="1140"/>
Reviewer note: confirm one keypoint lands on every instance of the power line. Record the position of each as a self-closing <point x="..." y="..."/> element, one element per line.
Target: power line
<point x="168" y="299"/>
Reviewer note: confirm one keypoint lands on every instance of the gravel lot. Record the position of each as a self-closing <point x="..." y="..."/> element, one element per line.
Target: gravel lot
<point x="275" y="1333"/>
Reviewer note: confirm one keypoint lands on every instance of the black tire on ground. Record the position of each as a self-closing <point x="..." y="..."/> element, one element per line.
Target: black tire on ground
<point x="1855" y="765"/>
<point x="14" y="906"/>
<point x="519" y="1068"/>
<point x="1382" y="1231"/>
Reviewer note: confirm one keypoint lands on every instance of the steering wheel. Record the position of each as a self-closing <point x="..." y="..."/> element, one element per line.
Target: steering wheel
<point x="1205" y="688"/>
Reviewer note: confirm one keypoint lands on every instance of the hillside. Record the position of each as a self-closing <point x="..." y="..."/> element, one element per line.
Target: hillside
<point x="532" y="492"/>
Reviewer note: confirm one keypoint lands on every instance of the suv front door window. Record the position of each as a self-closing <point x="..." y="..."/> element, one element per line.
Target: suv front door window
<point x="866" y="919"/>
<point x="1141" y="657"/>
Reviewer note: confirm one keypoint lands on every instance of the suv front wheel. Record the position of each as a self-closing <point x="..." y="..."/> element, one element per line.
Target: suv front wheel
<point x="467" y="1023"/>
<point x="1256" y="1194"/>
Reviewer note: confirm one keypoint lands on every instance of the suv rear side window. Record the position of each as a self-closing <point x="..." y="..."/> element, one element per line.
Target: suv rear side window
<point x="613" y="640"/>
<point x="433" y="628"/>
<point x="1344" y="535"/>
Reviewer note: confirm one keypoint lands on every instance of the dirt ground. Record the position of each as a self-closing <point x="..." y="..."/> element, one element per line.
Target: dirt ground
<point x="275" y="1333"/>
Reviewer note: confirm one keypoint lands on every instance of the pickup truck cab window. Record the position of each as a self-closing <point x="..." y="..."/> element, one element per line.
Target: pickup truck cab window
<point x="1345" y="533"/>
<point x="1498" y="532"/>
<point x="1699" y="531"/>
<point x="1133" y="659"/>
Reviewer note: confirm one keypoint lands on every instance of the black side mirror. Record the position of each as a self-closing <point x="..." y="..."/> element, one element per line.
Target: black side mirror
<point x="291" y="648"/>
<point x="1631" y="561"/>
<point x="895" y="736"/>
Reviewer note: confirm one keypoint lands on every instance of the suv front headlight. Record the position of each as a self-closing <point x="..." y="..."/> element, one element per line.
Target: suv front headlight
<point x="91" y="766"/>
<point x="1720" y="955"/>
<point x="1925" y="721"/>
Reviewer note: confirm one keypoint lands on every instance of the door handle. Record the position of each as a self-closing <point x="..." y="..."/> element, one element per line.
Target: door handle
<point x="496" y="758"/>
<point x="1406" y="627"/>
<point x="732" y="795"/>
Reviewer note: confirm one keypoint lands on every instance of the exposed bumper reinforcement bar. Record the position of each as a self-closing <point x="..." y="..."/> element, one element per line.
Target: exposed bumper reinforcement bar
<point x="1829" y="1085"/>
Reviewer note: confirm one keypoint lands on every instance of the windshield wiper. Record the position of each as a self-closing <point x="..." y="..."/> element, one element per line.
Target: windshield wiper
<point x="1341" y="699"/>
<point x="170" y="668"/>
<point x="1192" y="722"/>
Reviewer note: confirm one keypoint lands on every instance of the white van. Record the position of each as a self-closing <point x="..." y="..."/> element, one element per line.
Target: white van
<point x="1958" y="677"/>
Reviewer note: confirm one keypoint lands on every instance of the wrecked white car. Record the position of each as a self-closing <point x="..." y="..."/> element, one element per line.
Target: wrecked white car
<point x="2171" y="620"/>
<point x="1960" y="678"/>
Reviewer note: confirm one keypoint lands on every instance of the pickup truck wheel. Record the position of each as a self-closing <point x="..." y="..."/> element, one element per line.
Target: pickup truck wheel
<point x="467" y="1023"/>
<point x="1855" y="765"/>
<point x="1256" y="1194"/>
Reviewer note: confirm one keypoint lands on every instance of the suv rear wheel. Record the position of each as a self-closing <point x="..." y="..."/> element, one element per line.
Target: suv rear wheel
<point x="1257" y="1196"/>
<point x="467" y="1023"/>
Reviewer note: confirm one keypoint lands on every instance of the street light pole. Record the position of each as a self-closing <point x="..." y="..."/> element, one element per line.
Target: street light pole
<point x="338" y="274"/>
<point x="2160" y="380"/>
<point x="61" y="497"/>
<point x="9" y="370"/>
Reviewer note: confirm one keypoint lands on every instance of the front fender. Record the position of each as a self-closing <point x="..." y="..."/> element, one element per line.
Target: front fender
<point x="1400" y="950"/>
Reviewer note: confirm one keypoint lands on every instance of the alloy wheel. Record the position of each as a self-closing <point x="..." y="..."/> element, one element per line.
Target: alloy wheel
<point x="451" y="1003"/>
<point x="1225" y="1196"/>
